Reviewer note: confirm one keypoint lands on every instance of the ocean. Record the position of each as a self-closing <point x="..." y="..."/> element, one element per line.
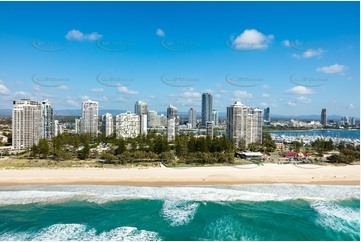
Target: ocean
<point x="236" y="212"/>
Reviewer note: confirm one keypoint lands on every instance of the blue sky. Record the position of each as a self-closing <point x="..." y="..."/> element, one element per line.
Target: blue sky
<point x="295" y="58"/>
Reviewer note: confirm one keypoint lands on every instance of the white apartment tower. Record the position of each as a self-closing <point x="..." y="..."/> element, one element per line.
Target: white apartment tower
<point x="244" y="123"/>
<point x="107" y="124"/>
<point x="171" y="129"/>
<point x="141" y="109"/>
<point x="48" y="120"/>
<point x="89" y="121"/>
<point x="127" y="125"/>
<point x="27" y="123"/>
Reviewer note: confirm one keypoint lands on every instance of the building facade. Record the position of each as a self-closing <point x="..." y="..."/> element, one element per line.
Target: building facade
<point x="171" y="129"/>
<point x="48" y="120"/>
<point x="207" y="108"/>
<point x="324" y="117"/>
<point x="192" y="118"/>
<point x="153" y="119"/>
<point x="107" y="124"/>
<point x="89" y="121"/>
<point x="215" y="118"/>
<point x="244" y="124"/>
<point x="209" y="129"/>
<point x="127" y="125"/>
<point x="267" y="115"/>
<point x="172" y="113"/>
<point x="27" y="123"/>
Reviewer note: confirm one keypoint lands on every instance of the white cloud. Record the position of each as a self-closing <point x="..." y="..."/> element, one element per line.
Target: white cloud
<point x="242" y="94"/>
<point x="252" y="39"/>
<point x="350" y="106"/>
<point x="125" y="90"/>
<point x="160" y="33"/>
<point x="265" y="95"/>
<point x="73" y="103"/>
<point x="309" y="53"/>
<point x="3" y="89"/>
<point x="77" y="35"/>
<point x="63" y="87"/>
<point x="303" y="99"/>
<point x="84" y="98"/>
<point x="152" y="97"/>
<point x="332" y="68"/>
<point x="286" y="43"/>
<point x="300" y="90"/>
<point x="265" y="87"/>
<point x="97" y="90"/>
<point x="191" y="94"/>
<point x="36" y="88"/>
<point x="263" y="104"/>
<point x="291" y="104"/>
<point x="223" y="91"/>
<point x="21" y="93"/>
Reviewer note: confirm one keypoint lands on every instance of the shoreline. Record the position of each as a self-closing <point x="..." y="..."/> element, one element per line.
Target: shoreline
<point x="232" y="175"/>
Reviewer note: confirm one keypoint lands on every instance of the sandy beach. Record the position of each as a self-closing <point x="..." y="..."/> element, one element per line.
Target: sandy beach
<point x="245" y="174"/>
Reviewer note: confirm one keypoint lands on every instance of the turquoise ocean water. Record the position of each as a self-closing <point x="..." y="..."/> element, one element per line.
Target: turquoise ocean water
<point x="237" y="212"/>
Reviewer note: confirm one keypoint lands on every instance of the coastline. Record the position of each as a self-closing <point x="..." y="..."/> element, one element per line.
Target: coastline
<point x="233" y="175"/>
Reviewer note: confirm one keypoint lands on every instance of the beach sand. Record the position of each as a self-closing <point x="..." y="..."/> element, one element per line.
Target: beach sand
<point x="245" y="174"/>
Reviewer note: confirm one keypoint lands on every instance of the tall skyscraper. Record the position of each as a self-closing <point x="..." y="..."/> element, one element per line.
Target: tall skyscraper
<point x="215" y="118"/>
<point x="267" y="115"/>
<point x="244" y="123"/>
<point x="107" y="124"/>
<point x="192" y="118"/>
<point x="127" y="125"/>
<point x="172" y="113"/>
<point x="141" y="109"/>
<point x="207" y="108"/>
<point x="324" y="117"/>
<point x="89" y="121"/>
<point x="27" y="123"/>
<point x="153" y="119"/>
<point x="48" y="120"/>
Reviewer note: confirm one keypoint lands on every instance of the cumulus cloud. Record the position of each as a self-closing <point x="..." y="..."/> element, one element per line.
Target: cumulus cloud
<point x="336" y="68"/>
<point x="300" y="90"/>
<point x="350" y="106"/>
<point x="79" y="36"/>
<point x="97" y="90"/>
<point x="160" y="33"/>
<point x="21" y="94"/>
<point x="73" y="103"/>
<point x="265" y="95"/>
<point x="252" y="39"/>
<point x="303" y="99"/>
<point x="265" y="87"/>
<point x="125" y="90"/>
<point x="242" y="94"/>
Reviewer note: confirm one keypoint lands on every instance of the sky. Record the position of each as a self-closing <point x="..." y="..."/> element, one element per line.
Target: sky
<point x="294" y="57"/>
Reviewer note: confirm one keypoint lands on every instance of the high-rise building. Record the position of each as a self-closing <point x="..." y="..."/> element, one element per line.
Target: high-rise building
<point x="346" y="120"/>
<point x="48" y="120"/>
<point x="162" y="120"/>
<point x="153" y="119"/>
<point x="127" y="125"/>
<point x="89" y="121"/>
<point x="209" y="129"/>
<point x="107" y="124"/>
<point x="267" y="115"/>
<point x="140" y="107"/>
<point x="192" y="118"/>
<point x="324" y="117"/>
<point x="27" y="123"/>
<point x="207" y="108"/>
<point x="172" y="113"/>
<point x="58" y="128"/>
<point x="171" y="129"/>
<point x="244" y="124"/>
<point x="353" y="121"/>
<point x="215" y="118"/>
<point x="77" y="125"/>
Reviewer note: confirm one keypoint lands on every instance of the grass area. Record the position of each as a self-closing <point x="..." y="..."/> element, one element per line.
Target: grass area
<point x="46" y="163"/>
